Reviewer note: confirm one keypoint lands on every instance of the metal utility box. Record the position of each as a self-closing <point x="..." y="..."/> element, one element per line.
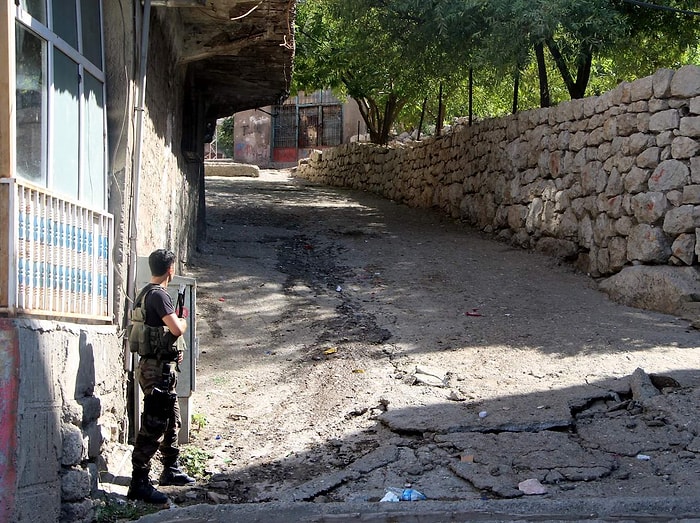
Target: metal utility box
<point x="186" y="380"/>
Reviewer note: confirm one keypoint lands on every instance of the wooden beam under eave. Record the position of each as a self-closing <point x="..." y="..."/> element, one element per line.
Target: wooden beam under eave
<point x="7" y="91"/>
<point x="228" y="49"/>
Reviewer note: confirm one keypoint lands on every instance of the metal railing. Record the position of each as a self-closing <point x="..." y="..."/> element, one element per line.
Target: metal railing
<point x="59" y="262"/>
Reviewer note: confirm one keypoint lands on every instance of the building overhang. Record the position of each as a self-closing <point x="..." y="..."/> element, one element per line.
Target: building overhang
<point x="238" y="53"/>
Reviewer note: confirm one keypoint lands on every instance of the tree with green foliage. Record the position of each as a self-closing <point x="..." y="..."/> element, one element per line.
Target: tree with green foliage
<point x="383" y="54"/>
<point x="394" y="56"/>
<point x="224" y="136"/>
<point x="338" y="52"/>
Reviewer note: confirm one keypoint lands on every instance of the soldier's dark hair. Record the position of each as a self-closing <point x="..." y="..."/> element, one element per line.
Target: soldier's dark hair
<point x="160" y="261"/>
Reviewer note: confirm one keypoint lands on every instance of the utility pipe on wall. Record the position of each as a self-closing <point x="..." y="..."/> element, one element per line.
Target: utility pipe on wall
<point x="136" y="158"/>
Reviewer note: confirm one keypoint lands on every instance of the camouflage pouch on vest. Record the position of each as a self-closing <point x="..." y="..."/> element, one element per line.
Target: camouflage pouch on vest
<point x="140" y="335"/>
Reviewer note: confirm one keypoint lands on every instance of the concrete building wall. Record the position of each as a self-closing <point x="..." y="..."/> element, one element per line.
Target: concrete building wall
<point x="71" y="409"/>
<point x="352" y="121"/>
<point x="63" y="383"/>
<point x="252" y="135"/>
<point x="252" y="132"/>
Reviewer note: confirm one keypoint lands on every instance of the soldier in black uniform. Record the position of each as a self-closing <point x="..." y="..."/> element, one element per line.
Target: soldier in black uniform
<point x="157" y="375"/>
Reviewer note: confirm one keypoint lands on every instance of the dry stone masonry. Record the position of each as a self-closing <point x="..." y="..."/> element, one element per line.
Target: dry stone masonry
<point x="609" y="182"/>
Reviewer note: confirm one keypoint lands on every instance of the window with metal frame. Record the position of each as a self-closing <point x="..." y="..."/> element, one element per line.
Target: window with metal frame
<point x="59" y="232"/>
<point x="60" y="109"/>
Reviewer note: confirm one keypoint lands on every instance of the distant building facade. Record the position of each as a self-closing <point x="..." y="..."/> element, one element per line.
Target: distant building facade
<point x="281" y="135"/>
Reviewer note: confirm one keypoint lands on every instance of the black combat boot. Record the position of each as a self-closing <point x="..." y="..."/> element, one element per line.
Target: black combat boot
<point x="142" y="490"/>
<point x="173" y="475"/>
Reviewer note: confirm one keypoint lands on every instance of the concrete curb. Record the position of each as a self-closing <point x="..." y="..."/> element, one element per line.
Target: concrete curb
<point x="674" y="509"/>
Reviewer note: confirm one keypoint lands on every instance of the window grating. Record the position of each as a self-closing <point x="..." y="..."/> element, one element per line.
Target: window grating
<point x="59" y="263"/>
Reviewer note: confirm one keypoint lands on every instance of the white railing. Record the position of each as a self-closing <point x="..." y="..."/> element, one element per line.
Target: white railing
<point x="59" y="262"/>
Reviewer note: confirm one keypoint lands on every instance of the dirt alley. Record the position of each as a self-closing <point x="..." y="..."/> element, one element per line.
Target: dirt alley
<point x="349" y="344"/>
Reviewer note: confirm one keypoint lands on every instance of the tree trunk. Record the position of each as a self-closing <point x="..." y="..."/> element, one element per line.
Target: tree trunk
<point x="422" y="116"/>
<point x="516" y="88"/>
<point x="577" y="88"/>
<point x="440" y="115"/>
<point x="542" y="75"/>
<point x="471" y="95"/>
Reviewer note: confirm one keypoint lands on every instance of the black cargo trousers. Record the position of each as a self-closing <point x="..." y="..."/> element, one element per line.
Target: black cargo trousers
<point x="160" y="420"/>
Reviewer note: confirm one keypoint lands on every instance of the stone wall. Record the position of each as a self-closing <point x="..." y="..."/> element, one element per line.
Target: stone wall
<point x="71" y="407"/>
<point x="606" y="182"/>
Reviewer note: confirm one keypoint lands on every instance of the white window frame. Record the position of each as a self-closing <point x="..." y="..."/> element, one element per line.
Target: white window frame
<point x="52" y="41"/>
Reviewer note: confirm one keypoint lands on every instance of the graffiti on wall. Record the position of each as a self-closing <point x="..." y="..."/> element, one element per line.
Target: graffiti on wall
<point x="251" y="153"/>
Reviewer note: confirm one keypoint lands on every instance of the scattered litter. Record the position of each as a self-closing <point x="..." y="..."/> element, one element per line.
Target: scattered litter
<point x="390" y="497"/>
<point x="410" y="494"/>
<point x="222" y="299"/>
<point x="643" y="457"/>
<point x="532" y="487"/>
<point x="339" y="289"/>
<point x="331" y="350"/>
<point x="394" y="495"/>
<point x="483" y="414"/>
<point x="434" y="378"/>
<point x="467" y="458"/>
<point x="473" y="312"/>
<point x="218" y="437"/>
<point x="358" y="371"/>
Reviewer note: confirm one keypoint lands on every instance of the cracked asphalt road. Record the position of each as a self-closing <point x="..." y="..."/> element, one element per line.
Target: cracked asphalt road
<point x="350" y="345"/>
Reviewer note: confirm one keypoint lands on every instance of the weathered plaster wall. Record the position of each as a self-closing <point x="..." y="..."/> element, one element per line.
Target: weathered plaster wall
<point x="9" y="390"/>
<point x="251" y="137"/>
<point x="607" y="181"/>
<point x="70" y="407"/>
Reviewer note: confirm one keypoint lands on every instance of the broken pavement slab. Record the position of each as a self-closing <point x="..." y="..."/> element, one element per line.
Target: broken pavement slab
<point x="502" y="461"/>
<point x="522" y="414"/>
<point x="367" y="463"/>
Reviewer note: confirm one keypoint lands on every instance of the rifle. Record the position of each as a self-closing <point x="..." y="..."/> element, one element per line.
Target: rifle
<point x="180" y="300"/>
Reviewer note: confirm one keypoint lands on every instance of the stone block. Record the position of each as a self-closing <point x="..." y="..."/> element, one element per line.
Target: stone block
<point x="695" y="105"/>
<point x="648" y="244"/>
<point x="649" y="207"/>
<point x="664" y="120"/>
<point x="691" y="194"/>
<point x="636" y="179"/>
<point x="665" y="138"/>
<point x="682" y="219"/>
<point x="690" y="126"/>
<point x="642" y="89"/>
<point x="661" y="82"/>
<point x="683" y="148"/>
<point x="73" y="445"/>
<point x="668" y="175"/>
<point x="649" y="158"/>
<point x="655" y="106"/>
<point x="78" y="511"/>
<point x="661" y="288"/>
<point x="686" y="82"/>
<point x="75" y="484"/>
<point x="683" y="248"/>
